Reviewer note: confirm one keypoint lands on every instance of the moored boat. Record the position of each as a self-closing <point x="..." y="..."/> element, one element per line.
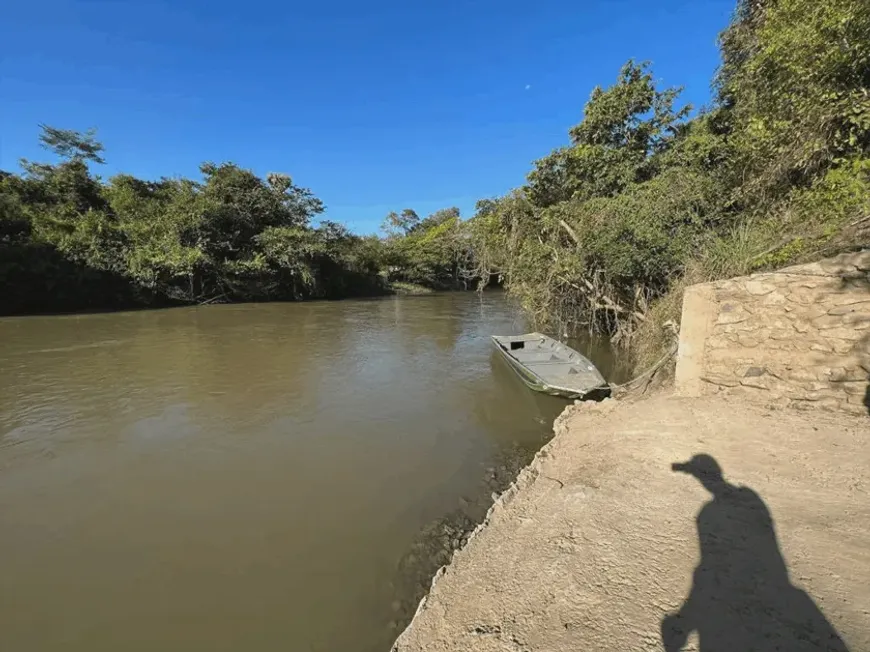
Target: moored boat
<point x="547" y="365"/>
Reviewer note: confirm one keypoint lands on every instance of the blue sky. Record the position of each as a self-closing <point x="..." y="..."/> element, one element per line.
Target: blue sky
<point x="375" y="106"/>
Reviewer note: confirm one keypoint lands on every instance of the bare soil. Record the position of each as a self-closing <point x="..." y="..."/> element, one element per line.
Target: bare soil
<point x="601" y="545"/>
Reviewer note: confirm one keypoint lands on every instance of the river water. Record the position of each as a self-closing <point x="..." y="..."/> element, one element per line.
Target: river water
<point x="257" y="477"/>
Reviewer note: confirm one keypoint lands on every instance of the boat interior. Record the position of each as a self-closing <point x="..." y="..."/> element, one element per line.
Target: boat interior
<point x="543" y="357"/>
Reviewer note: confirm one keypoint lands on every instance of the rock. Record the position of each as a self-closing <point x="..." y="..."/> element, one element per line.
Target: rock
<point x="721" y="379"/>
<point x="845" y="309"/>
<point x="829" y="403"/>
<point x="803" y="375"/>
<point x="782" y="344"/>
<point x="758" y="288"/>
<point x="827" y="321"/>
<point x="718" y="342"/>
<point x="816" y="396"/>
<point x="727" y="289"/>
<point x="817" y="386"/>
<point x="801" y="326"/>
<point x="731" y="313"/>
<point x="756" y="382"/>
<point x="843" y="375"/>
<point x="776" y="299"/>
<point x="843" y="333"/>
<point x="858" y="409"/>
<point x="848" y="299"/>
<point x="748" y="341"/>
<point x="858" y="388"/>
<point x="800" y="297"/>
<point x="841" y="346"/>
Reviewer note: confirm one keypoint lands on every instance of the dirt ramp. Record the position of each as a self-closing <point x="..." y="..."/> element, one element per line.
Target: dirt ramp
<point x="761" y="538"/>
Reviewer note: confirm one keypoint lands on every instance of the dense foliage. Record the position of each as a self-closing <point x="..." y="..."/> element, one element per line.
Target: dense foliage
<point x="644" y="199"/>
<point x="432" y="252"/>
<point x="71" y="241"/>
<point x="68" y="240"/>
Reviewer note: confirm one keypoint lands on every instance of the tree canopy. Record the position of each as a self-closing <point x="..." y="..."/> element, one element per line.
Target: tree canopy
<point x="69" y="240"/>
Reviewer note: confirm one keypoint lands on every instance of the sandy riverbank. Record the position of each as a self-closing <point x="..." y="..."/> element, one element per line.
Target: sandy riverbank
<point x="599" y="541"/>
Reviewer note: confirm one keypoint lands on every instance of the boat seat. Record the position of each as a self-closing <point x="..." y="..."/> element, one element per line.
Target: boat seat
<point x="548" y="370"/>
<point x="535" y="357"/>
<point x="572" y="380"/>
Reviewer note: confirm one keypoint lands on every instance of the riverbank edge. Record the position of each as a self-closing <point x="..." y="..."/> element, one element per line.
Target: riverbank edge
<point x="394" y="289"/>
<point x="527" y="475"/>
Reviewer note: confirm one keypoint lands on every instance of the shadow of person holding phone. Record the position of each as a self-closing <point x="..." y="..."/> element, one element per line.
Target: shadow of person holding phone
<point x="742" y="597"/>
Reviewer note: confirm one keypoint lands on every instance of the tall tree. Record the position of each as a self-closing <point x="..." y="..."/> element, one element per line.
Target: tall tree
<point x="72" y="145"/>
<point x="624" y="127"/>
<point x="400" y="223"/>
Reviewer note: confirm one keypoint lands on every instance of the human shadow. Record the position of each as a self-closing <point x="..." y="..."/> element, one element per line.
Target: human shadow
<point x="742" y="597"/>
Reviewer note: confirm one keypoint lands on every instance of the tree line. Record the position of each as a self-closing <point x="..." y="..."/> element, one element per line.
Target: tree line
<point x="645" y="197"/>
<point x="70" y="240"/>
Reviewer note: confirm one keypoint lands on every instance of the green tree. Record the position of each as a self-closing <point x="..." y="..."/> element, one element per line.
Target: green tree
<point x="794" y="81"/>
<point x="397" y="224"/>
<point x="433" y="252"/>
<point x="72" y="145"/>
<point x="623" y="130"/>
<point x="229" y="236"/>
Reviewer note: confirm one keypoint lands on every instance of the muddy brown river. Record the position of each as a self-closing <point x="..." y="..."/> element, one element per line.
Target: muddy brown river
<point x="249" y="477"/>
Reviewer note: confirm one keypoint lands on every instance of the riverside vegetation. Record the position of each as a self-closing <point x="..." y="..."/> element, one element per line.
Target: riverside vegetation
<point x="604" y="234"/>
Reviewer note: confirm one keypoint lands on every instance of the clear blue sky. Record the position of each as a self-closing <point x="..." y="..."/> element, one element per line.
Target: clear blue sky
<point x="375" y="105"/>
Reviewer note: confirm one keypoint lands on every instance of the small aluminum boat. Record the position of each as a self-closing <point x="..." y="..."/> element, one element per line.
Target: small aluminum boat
<point x="549" y="366"/>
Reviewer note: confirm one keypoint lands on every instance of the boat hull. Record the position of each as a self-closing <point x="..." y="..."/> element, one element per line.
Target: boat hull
<point x="538" y="384"/>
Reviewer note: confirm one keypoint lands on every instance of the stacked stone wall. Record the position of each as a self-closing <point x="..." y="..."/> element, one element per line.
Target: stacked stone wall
<point x="797" y="337"/>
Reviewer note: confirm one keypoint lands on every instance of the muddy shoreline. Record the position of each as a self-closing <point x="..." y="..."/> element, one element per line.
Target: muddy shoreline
<point x="438" y="542"/>
<point x="445" y="538"/>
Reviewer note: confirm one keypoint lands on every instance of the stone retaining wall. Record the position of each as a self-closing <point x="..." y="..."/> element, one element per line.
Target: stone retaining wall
<point x="797" y="337"/>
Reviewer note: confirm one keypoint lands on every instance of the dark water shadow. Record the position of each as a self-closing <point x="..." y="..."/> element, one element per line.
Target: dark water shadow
<point x="742" y="597"/>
